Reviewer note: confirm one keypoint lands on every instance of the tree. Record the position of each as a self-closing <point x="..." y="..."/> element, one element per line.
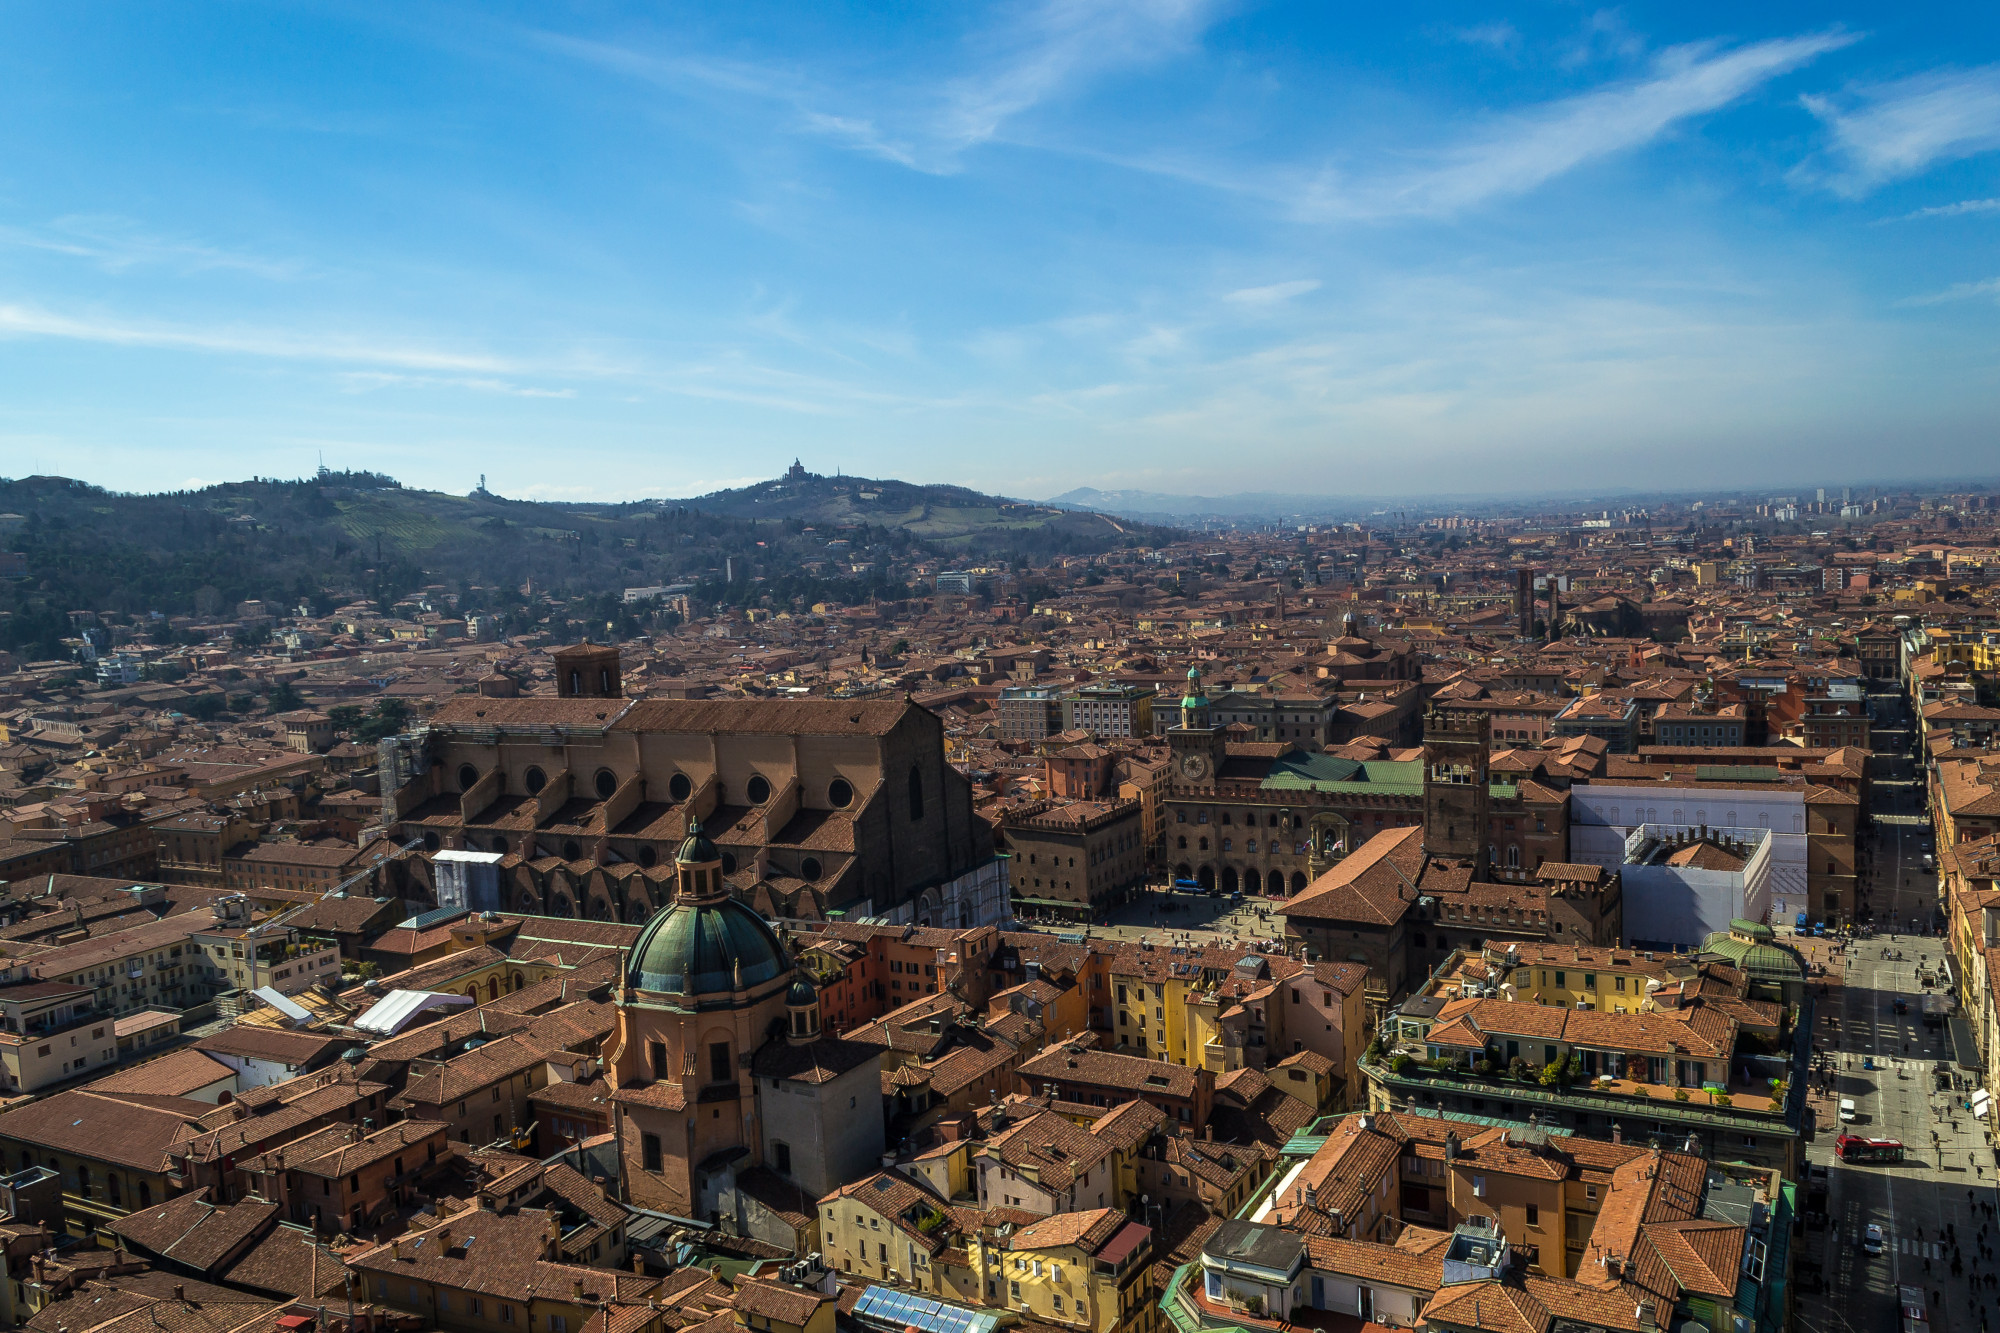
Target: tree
<point x="282" y="698"/>
<point x="203" y="707"/>
<point x="389" y="717"/>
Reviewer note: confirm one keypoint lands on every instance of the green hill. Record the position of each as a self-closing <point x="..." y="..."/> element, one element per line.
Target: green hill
<point x="945" y="515"/>
<point x="325" y="540"/>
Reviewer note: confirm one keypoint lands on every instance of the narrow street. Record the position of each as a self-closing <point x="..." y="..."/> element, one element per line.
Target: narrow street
<point x="1934" y="1204"/>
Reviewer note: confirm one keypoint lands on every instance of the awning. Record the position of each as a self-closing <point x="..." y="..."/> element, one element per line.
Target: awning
<point x="1964" y="1047"/>
<point x="1981" y="1103"/>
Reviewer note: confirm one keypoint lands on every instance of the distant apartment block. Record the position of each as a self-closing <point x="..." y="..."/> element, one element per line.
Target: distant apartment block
<point x="1614" y="720"/>
<point x="1030" y="712"/>
<point x="1109" y="710"/>
<point x="957" y="580"/>
<point x="1685" y="727"/>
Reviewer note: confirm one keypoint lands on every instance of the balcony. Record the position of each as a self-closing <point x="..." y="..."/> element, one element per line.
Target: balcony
<point x="1605" y="1096"/>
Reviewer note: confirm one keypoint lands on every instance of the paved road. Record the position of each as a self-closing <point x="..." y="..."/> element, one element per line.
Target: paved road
<point x="1948" y="1185"/>
<point x="1192" y="918"/>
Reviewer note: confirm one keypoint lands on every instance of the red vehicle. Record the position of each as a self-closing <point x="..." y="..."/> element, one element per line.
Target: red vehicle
<point x="1853" y="1148"/>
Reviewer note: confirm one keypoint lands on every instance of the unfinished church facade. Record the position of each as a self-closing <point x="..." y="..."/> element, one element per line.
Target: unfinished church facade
<point x="574" y="806"/>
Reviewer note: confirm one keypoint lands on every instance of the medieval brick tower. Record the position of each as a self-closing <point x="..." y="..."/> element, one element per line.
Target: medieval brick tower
<point x="587" y="671"/>
<point x="1455" y="789"/>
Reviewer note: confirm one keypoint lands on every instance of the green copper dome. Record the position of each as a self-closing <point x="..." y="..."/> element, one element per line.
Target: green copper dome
<point x="1752" y="947"/>
<point x="1194" y="697"/>
<point x="699" y="948"/>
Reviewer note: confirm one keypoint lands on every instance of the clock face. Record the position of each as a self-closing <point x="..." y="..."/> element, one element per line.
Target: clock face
<point x="1194" y="767"/>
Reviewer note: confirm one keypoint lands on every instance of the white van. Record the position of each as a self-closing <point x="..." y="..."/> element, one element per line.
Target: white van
<point x="1847" y="1113"/>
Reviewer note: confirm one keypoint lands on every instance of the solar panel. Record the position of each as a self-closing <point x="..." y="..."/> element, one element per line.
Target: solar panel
<point x="902" y="1309"/>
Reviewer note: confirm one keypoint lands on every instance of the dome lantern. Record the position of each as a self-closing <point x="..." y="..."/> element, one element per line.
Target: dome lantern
<point x="698" y="868"/>
<point x="802" y="1011"/>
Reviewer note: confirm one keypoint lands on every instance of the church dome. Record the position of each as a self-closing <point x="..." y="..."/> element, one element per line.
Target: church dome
<point x="802" y="991"/>
<point x="699" y="948"/>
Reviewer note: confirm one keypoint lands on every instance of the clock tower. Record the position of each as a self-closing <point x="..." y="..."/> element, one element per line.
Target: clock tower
<point x="1195" y="743"/>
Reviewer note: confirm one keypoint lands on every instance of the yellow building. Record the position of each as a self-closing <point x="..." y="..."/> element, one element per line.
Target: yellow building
<point x="886" y="1228"/>
<point x="1083" y="1270"/>
<point x="1609" y="980"/>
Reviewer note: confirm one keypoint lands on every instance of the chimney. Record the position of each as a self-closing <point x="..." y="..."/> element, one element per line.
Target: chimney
<point x="1645" y="1316"/>
<point x="180" y="1293"/>
<point x="443" y="1238"/>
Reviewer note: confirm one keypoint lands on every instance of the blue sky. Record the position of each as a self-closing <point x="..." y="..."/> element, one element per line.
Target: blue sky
<point x="603" y="251"/>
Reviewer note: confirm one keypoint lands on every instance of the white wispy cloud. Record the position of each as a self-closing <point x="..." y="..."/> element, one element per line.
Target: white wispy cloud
<point x="117" y="244"/>
<point x="1057" y="46"/>
<point x="31" y="321"/>
<point x="363" y="363"/>
<point x="1895" y="130"/>
<point x="1958" y="291"/>
<point x="360" y="381"/>
<point x="1046" y="53"/>
<point x="1518" y="151"/>
<point x="1963" y="208"/>
<point x="1528" y="149"/>
<point x="1499" y="35"/>
<point x="1274" y="294"/>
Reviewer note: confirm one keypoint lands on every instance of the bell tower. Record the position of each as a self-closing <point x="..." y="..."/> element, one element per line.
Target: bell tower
<point x="1456" y="796"/>
<point x="587" y="671"/>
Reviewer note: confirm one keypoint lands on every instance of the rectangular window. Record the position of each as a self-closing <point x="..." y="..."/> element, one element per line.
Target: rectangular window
<point x="1534" y="1215"/>
<point x="657" y="1051"/>
<point x="718" y="1062"/>
<point x="649" y="1147"/>
<point x="558" y="1323"/>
